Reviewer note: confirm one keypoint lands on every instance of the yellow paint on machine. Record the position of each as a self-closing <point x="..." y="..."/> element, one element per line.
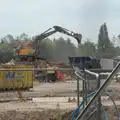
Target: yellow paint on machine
<point x="26" y="51"/>
<point x="16" y="79"/>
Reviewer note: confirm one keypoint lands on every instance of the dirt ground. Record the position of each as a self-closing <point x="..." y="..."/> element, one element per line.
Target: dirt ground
<point x="34" y="115"/>
<point x="56" y="114"/>
<point x="44" y="101"/>
<point x="57" y="89"/>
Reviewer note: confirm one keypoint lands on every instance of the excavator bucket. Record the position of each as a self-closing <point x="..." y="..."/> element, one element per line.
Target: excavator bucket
<point x="78" y="37"/>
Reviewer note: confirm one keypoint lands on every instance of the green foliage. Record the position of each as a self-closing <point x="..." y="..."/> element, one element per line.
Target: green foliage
<point x="6" y="53"/>
<point x="58" y="112"/>
<point x="105" y="47"/>
<point x="87" y="49"/>
<point x="63" y="49"/>
<point x="47" y="49"/>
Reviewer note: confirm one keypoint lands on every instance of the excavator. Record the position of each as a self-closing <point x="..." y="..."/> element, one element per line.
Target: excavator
<point x="31" y="51"/>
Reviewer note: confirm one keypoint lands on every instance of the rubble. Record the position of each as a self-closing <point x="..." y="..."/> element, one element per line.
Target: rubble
<point x="33" y="115"/>
<point x="49" y="114"/>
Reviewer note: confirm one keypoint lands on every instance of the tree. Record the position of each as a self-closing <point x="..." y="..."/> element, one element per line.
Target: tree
<point x="63" y="49"/>
<point x="70" y="48"/>
<point x="87" y="49"/>
<point x="47" y="49"/>
<point x="60" y="50"/>
<point x="105" y="47"/>
<point x="23" y="37"/>
<point x="6" y="53"/>
<point x="9" y="38"/>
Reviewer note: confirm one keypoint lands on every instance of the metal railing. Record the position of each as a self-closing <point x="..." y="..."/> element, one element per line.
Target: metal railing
<point x="99" y="92"/>
<point x="51" y="69"/>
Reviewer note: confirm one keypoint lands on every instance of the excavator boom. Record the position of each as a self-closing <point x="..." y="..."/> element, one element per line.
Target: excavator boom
<point x="48" y="32"/>
<point x="59" y="29"/>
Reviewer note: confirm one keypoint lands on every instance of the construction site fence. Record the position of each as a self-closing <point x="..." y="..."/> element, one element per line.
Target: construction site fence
<point x="53" y="69"/>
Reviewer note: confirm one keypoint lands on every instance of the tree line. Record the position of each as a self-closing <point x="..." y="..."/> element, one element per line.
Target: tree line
<point x="59" y="49"/>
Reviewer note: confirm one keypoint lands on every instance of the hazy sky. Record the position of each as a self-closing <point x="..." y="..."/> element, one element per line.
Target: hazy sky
<point x="35" y="16"/>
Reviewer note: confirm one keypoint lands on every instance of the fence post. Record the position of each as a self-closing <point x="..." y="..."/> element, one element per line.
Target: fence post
<point x="78" y="92"/>
<point x="99" y="99"/>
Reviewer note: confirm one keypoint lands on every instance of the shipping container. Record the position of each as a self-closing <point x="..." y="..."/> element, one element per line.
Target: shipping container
<point x="12" y="80"/>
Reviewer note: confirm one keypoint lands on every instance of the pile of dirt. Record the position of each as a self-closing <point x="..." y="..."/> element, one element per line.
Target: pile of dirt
<point x="34" y="115"/>
<point x="56" y="114"/>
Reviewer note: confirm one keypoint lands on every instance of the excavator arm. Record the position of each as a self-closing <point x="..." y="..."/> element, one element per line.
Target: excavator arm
<point x="49" y="32"/>
<point x="44" y="35"/>
<point x="59" y="29"/>
<point x="77" y="36"/>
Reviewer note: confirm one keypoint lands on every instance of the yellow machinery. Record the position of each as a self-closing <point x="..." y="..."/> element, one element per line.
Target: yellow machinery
<point x="26" y="51"/>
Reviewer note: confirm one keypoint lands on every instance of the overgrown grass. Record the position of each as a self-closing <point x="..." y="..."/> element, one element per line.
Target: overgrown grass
<point x="58" y="112"/>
